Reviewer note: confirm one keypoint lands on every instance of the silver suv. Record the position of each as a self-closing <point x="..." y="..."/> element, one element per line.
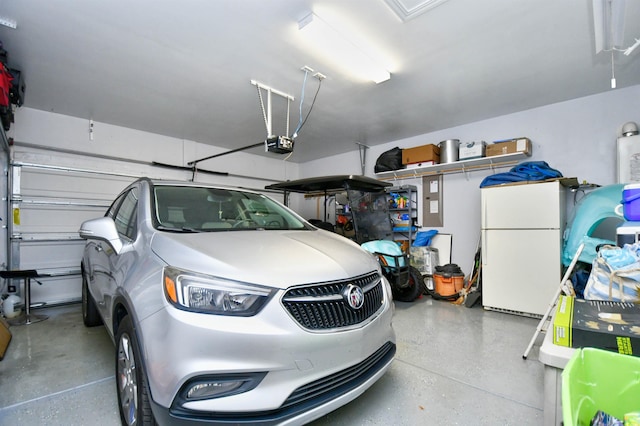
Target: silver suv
<point x="227" y="307"/>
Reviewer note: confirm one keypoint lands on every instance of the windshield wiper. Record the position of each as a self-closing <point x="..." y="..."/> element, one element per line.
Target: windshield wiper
<point x="193" y="230"/>
<point x="173" y="229"/>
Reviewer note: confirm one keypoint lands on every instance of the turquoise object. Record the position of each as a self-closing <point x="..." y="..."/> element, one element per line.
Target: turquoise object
<point x="588" y="213"/>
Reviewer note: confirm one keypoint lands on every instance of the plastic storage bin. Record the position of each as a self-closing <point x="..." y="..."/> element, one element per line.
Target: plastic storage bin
<point x="627" y="233"/>
<point x="595" y="379"/>
<point x="630" y="202"/>
<point x="424" y="259"/>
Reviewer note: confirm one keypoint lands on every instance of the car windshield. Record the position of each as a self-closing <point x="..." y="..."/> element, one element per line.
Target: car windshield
<point x="201" y="209"/>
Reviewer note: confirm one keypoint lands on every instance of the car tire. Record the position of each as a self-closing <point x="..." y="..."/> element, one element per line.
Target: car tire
<point x="413" y="290"/>
<point x="131" y="379"/>
<point x="90" y="315"/>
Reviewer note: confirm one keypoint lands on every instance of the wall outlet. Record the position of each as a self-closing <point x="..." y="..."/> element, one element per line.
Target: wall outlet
<point x="11" y="288"/>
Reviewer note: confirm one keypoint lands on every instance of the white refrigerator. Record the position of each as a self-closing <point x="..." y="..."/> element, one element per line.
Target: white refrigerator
<point x="522" y="229"/>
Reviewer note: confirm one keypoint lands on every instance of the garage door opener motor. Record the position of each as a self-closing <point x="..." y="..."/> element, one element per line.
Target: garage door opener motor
<point x="274" y="143"/>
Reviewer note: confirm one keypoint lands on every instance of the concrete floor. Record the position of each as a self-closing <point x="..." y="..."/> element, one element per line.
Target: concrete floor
<point x="454" y="366"/>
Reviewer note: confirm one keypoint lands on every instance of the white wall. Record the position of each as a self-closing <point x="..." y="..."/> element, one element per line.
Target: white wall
<point x="63" y="132"/>
<point x="576" y="137"/>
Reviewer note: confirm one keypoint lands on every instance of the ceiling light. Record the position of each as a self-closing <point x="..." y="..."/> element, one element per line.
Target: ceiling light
<point x="341" y="50"/>
<point x="608" y="20"/>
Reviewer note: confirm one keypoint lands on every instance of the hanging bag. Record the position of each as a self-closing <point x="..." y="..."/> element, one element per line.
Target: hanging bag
<point x="389" y="161"/>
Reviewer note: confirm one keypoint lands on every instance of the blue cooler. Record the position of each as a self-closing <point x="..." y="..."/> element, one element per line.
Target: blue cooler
<point x="630" y="202"/>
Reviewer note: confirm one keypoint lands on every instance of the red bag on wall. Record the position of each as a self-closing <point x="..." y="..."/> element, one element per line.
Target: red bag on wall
<point x="5" y="86"/>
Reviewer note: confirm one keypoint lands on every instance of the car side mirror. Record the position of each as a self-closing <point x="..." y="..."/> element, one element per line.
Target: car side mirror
<point x="103" y="229"/>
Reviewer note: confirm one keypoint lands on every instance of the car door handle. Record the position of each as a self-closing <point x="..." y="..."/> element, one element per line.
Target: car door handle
<point x="97" y="248"/>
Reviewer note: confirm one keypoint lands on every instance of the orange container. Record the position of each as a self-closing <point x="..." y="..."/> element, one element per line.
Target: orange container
<point x="404" y="245"/>
<point x="447" y="284"/>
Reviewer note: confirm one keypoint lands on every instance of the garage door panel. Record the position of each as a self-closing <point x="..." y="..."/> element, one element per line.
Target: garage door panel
<point x="54" y="219"/>
<point x="56" y="289"/>
<point x="56" y="257"/>
<point x="48" y="206"/>
<point x="51" y="184"/>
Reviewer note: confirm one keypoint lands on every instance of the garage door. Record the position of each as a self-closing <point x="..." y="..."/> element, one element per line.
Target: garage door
<point x="51" y="193"/>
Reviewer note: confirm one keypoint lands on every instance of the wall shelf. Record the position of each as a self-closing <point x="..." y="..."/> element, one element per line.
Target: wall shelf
<point x="408" y="232"/>
<point x="461" y="166"/>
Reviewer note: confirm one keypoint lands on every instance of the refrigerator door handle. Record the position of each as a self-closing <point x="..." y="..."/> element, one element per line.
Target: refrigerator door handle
<point x="483" y="253"/>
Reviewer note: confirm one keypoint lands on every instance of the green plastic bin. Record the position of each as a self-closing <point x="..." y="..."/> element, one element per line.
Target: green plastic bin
<point x="595" y="379"/>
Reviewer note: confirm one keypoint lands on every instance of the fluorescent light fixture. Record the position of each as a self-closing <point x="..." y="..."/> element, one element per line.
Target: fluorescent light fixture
<point x="608" y="21"/>
<point x="340" y="50"/>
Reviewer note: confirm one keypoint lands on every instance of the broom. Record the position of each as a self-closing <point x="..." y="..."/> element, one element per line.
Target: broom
<point x="473" y="277"/>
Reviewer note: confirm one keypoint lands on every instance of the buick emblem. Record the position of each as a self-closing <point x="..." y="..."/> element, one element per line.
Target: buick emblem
<point x="353" y="296"/>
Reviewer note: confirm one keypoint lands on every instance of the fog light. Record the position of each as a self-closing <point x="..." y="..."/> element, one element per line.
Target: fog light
<point x="217" y="386"/>
<point x="212" y="390"/>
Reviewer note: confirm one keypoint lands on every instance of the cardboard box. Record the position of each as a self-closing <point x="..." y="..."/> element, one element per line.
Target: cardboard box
<point x="471" y="150"/>
<point x="418" y="165"/>
<point x="5" y="337"/>
<point x="421" y="154"/>
<point x="613" y="326"/>
<point x="509" y="147"/>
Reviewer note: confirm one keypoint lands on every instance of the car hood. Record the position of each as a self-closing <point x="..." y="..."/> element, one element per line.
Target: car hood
<point x="274" y="258"/>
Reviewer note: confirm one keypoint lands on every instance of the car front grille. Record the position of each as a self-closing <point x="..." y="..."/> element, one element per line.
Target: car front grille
<point x="322" y="306"/>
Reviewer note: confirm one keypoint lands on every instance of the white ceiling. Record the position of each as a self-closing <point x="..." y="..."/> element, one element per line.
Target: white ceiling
<point x="183" y="68"/>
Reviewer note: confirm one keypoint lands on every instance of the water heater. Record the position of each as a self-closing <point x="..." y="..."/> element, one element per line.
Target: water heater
<point x="628" y="160"/>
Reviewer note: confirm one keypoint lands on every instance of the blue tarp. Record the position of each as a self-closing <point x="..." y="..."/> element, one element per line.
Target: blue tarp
<point x="523" y="172"/>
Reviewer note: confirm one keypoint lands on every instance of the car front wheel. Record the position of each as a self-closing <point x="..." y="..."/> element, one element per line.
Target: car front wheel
<point x="131" y="380"/>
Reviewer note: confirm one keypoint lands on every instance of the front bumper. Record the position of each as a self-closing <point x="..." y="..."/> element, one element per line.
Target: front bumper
<point x="308" y="373"/>
<point x="305" y="404"/>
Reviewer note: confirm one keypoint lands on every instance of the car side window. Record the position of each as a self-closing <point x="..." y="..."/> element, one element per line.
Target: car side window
<point x="125" y="215"/>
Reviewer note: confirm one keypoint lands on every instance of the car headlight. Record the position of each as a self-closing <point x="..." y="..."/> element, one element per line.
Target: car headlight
<point x="211" y="295"/>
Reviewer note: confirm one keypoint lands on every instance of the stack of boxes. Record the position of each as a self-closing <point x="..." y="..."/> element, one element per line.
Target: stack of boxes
<point x="429" y="155"/>
<point x="424" y="155"/>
